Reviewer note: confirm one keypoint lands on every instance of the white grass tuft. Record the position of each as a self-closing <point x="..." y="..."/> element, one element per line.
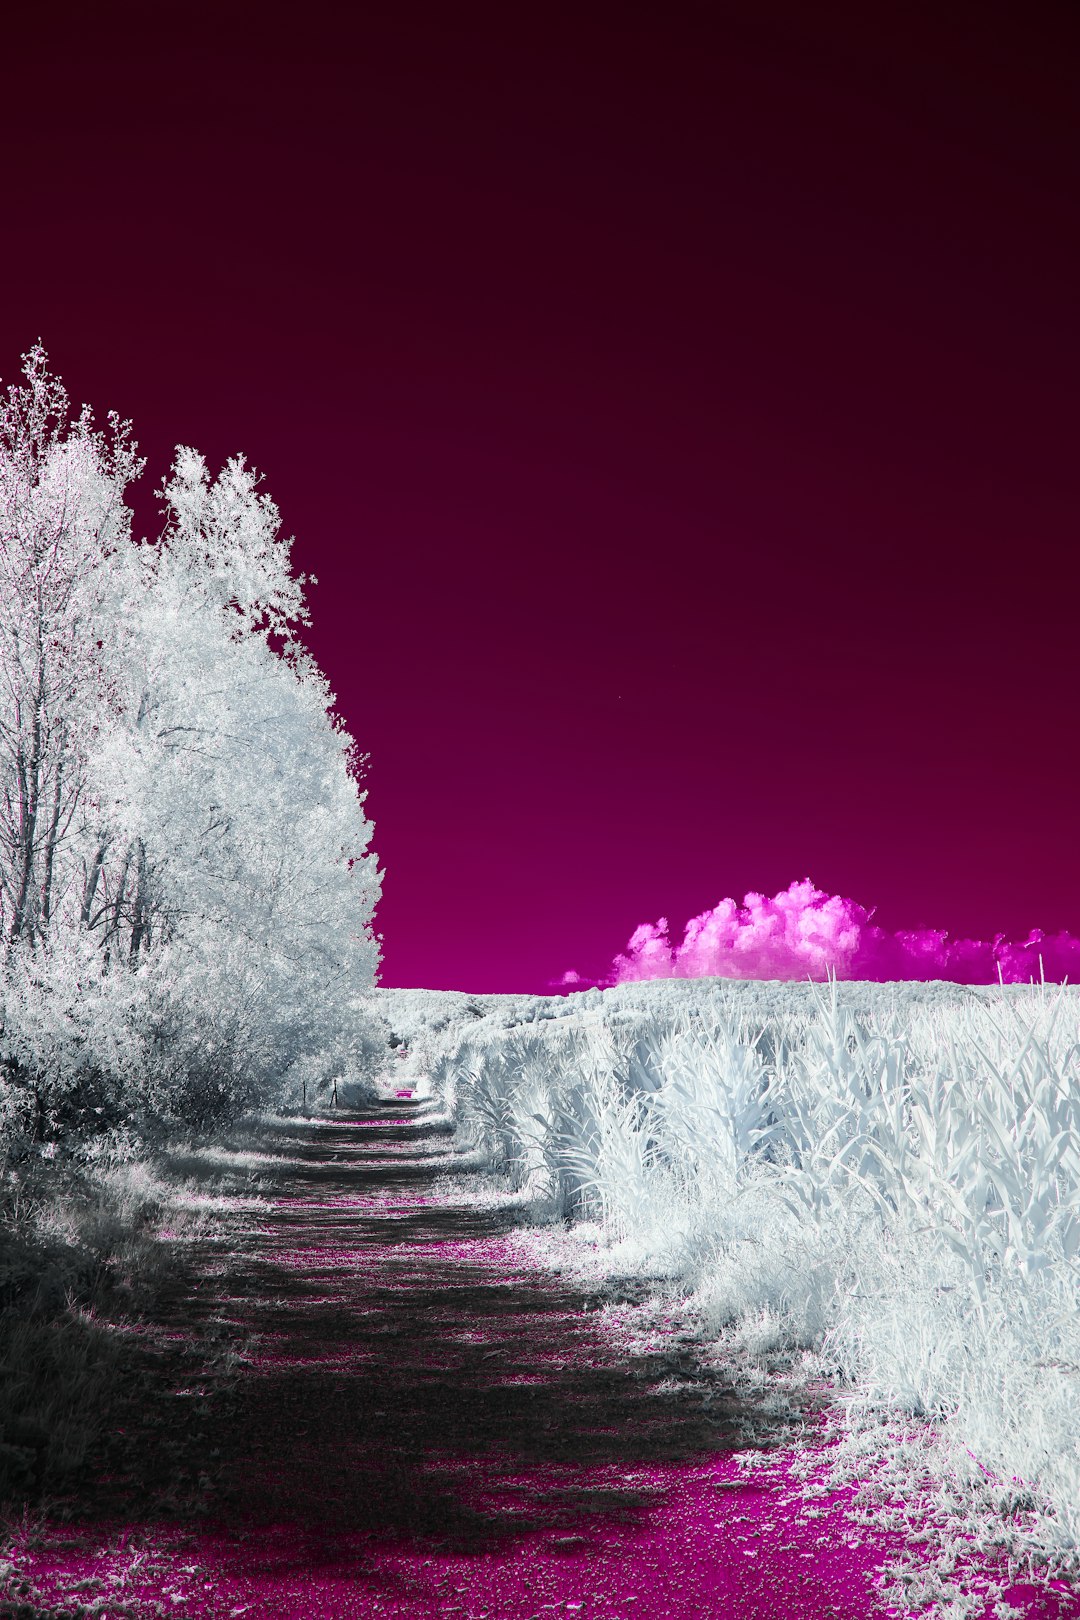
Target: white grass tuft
<point x="881" y="1183"/>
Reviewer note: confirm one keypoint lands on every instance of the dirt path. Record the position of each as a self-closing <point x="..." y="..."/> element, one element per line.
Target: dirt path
<point x="421" y="1428"/>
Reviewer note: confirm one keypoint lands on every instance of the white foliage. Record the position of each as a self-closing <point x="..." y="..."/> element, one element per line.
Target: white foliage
<point x="883" y="1178"/>
<point x="186" y="892"/>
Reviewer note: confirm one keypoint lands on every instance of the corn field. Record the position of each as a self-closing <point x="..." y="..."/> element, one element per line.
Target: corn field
<point x="891" y="1179"/>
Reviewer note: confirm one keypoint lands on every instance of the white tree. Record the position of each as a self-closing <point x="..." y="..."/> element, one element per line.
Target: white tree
<point x="62" y="520"/>
<point x="240" y="778"/>
<point x="186" y="889"/>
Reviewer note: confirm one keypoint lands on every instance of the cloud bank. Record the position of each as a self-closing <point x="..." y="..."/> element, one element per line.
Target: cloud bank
<point x="805" y="933"/>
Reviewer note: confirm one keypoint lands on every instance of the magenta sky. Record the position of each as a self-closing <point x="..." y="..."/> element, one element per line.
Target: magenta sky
<point x="677" y="407"/>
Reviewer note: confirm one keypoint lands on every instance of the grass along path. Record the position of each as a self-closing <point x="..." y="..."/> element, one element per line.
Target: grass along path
<point x="363" y="1402"/>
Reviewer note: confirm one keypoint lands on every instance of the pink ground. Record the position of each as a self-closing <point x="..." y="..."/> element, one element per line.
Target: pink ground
<point x="421" y="1428"/>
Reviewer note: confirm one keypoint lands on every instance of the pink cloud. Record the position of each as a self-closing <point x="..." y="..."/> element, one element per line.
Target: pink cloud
<point x="803" y="932"/>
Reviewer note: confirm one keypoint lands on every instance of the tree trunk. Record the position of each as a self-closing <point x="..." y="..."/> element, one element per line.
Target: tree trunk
<point x="50" y="845"/>
<point x="112" y="927"/>
<point x="29" y="779"/>
<point x="138" y="908"/>
<point x="90" y="888"/>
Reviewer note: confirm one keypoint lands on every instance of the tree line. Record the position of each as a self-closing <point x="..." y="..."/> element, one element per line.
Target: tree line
<point x="186" y="886"/>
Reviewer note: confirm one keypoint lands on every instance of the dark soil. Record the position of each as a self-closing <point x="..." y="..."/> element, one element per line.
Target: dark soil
<point x="359" y="1403"/>
<point x="374" y="1373"/>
